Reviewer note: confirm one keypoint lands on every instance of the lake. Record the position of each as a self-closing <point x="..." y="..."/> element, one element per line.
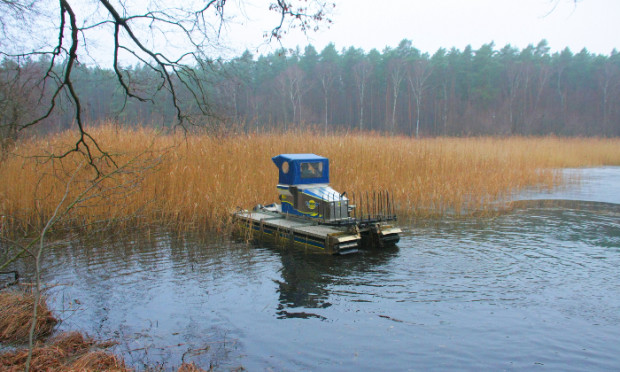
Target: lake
<point x="535" y="288"/>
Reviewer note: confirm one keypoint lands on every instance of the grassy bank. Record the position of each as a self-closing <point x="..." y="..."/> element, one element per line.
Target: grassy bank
<point x="70" y="351"/>
<point x="16" y="317"/>
<point x="195" y="182"/>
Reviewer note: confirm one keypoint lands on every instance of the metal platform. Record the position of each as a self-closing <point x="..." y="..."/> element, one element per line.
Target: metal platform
<point x="304" y="232"/>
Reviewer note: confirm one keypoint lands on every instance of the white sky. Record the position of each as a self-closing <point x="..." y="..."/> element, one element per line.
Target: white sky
<point x="431" y="24"/>
<point x="368" y="24"/>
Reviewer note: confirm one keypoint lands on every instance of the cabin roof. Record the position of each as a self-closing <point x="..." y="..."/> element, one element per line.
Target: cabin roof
<point x="296" y="157"/>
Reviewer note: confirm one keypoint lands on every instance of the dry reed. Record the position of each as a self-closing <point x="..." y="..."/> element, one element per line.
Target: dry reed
<point x="196" y="182"/>
<point x="16" y="317"/>
<point x="66" y="352"/>
<point x="72" y="351"/>
<point x="191" y="367"/>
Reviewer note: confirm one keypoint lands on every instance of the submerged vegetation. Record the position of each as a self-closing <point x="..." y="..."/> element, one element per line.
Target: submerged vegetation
<point x="194" y="182"/>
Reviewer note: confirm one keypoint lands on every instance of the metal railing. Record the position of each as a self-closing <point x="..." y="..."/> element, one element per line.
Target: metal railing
<point x="360" y="209"/>
<point x="373" y="206"/>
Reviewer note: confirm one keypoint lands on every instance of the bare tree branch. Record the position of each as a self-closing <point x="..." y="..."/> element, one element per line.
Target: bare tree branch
<point x="136" y="31"/>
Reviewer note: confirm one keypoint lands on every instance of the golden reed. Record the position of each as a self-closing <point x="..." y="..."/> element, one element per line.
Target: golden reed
<point x="195" y="182"/>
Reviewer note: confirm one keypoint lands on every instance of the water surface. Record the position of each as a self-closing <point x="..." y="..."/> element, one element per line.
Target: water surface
<point x="537" y="288"/>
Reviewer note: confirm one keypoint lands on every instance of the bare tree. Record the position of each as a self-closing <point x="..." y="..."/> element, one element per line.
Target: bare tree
<point x="290" y="82"/>
<point x="171" y="40"/>
<point x="608" y="82"/>
<point x="362" y="72"/>
<point x="417" y="76"/>
<point x="397" y="74"/>
<point x="18" y="91"/>
<point x="120" y="181"/>
<point x="327" y="73"/>
<point x="514" y="75"/>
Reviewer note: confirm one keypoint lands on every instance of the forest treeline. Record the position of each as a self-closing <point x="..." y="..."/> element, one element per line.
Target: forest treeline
<point x="488" y="91"/>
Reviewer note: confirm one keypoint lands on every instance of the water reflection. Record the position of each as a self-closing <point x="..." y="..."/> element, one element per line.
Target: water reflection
<point x="303" y="284"/>
<point x="307" y="276"/>
<point x="582" y="184"/>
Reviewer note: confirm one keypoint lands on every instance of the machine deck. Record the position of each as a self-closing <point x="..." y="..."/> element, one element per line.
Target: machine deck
<point x="309" y="233"/>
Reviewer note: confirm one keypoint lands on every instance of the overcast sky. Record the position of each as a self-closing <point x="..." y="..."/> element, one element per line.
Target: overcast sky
<point x="431" y="24"/>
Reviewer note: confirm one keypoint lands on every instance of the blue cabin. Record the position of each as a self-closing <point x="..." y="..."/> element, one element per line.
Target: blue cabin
<point x="303" y="187"/>
<point x="302" y="169"/>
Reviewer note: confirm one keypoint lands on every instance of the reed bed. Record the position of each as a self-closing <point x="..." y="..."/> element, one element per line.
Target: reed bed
<point x="195" y="182"/>
<point x="16" y="317"/>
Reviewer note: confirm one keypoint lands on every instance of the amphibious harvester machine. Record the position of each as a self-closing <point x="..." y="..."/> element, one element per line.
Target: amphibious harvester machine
<point x="314" y="215"/>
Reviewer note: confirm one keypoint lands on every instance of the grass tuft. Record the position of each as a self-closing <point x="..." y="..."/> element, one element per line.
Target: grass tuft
<point x="66" y="352"/>
<point x="191" y="367"/>
<point x="16" y="317"/>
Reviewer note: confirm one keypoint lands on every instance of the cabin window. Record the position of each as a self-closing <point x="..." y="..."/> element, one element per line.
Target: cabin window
<point x="312" y="170"/>
<point x="285" y="167"/>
